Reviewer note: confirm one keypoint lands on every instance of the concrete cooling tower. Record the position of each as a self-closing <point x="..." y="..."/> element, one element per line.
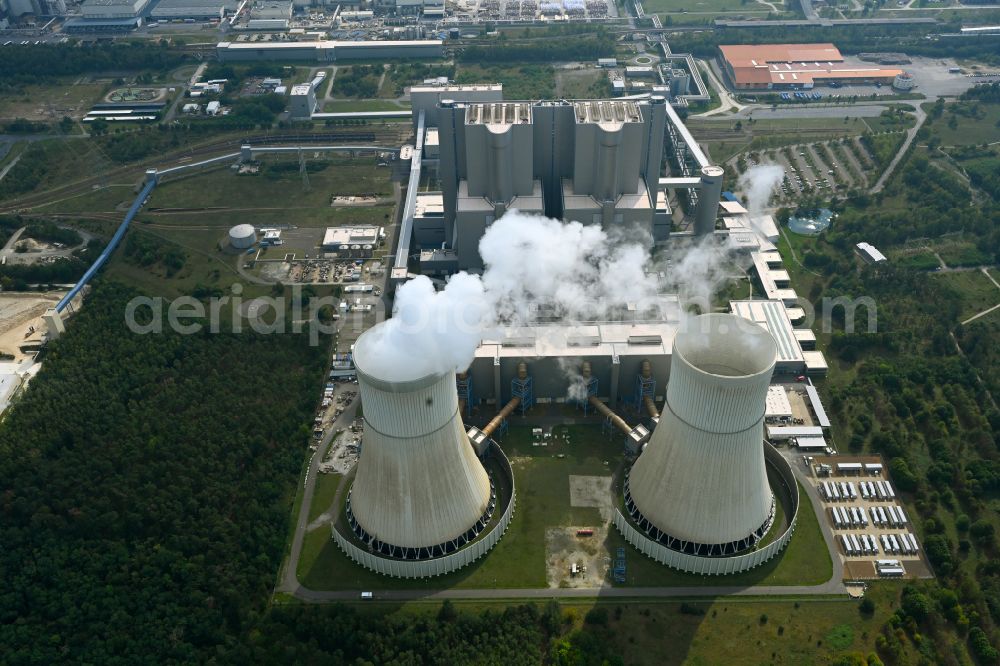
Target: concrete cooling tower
<point x="420" y="491"/>
<point x="700" y="486"/>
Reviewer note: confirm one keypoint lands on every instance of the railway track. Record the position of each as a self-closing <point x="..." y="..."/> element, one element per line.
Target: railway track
<point x="391" y="137"/>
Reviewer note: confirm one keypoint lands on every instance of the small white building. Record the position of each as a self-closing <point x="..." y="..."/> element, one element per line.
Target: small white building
<point x="869" y="253"/>
<point x="212" y="108"/>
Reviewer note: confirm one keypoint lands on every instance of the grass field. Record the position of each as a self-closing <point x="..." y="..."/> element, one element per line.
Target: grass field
<point x="518" y="561"/>
<point x="343" y="106"/>
<point x="50" y="102"/>
<point x="222" y="188"/>
<point x="520" y="80"/>
<point x="582" y="83"/>
<point x="323" y="494"/>
<point x="63" y="161"/>
<point x="967" y="130"/>
<point x="978" y="293"/>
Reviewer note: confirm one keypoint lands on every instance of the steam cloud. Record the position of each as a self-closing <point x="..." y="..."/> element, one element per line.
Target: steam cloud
<point x="758" y="184"/>
<point x="533" y="266"/>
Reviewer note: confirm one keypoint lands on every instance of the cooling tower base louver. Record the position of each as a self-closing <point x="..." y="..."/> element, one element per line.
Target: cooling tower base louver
<point x="376" y="545"/>
<point x="426" y="562"/>
<point x="693" y="547"/>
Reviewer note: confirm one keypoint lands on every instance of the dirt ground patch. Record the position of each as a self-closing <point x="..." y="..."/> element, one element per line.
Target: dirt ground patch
<point x="564" y="548"/>
<point x="20" y="312"/>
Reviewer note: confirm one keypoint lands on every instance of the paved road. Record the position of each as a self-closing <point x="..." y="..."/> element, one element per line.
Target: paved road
<point x="910" y="135"/>
<point x="4" y="171"/>
<point x="727" y="101"/>
<point x="288" y="581"/>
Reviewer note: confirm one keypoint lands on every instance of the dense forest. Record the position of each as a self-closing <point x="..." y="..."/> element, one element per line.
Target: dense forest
<point x="147" y="487"/>
<point x="580" y="48"/>
<point x="918" y="391"/>
<point x="41" y="63"/>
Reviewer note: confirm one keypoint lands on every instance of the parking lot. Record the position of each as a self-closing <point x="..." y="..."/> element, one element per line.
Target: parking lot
<point x="873" y="532"/>
<point x="826" y="167"/>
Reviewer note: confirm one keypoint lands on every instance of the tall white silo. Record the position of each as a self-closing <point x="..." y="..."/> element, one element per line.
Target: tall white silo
<point x="701" y="486"/>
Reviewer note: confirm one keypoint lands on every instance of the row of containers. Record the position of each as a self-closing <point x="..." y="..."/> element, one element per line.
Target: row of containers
<point x="868" y="544"/>
<point x="836" y="491"/>
<point x="845" y="518"/>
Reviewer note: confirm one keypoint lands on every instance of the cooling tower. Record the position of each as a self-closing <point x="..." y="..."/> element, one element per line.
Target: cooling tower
<point x="419" y="491"/>
<point x="700" y="486"/>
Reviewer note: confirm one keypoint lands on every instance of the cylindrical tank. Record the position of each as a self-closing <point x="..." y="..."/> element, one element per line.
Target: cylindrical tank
<point x="904" y="81"/>
<point x="242" y="236"/>
<point x="708" y="200"/>
<point x="419" y="491"/>
<point x="701" y="485"/>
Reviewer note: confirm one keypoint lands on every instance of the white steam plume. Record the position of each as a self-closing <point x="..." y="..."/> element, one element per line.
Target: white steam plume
<point x="758" y="184"/>
<point x="578" y="271"/>
<point x="430" y="331"/>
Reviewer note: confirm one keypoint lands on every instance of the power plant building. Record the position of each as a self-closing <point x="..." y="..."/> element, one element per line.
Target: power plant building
<point x="614" y="350"/>
<point x="597" y="162"/>
<point x="612" y="162"/>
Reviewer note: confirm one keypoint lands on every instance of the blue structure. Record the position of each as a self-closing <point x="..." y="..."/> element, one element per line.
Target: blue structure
<point x="151" y="181"/>
<point x="645" y="387"/>
<point x="523" y="389"/>
<point x="463" y="384"/>
<point x="729" y="196"/>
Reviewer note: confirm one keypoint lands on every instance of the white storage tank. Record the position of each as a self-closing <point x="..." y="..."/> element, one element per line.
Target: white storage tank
<point x="242" y="236"/>
<point x="904" y="81"/>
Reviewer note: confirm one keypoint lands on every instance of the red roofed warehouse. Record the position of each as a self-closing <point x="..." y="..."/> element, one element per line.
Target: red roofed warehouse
<point x="796" y="66"/>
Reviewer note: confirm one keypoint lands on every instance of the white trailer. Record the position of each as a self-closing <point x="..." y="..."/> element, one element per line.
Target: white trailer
<point x="854" y="542"/>
<point x="881" y="514"/>
<point x="846" y="543"/>
<point x="895" y="543"/>
<point x="864" y="490"/>
<point x="875" y="519"/>
<point x="902" y="516"/>
<point x="853" y="489"/>
<point x="836" y="518"/>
